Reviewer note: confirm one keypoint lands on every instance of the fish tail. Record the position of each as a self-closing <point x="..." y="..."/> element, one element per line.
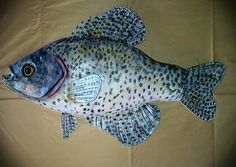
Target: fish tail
<point x="198" y="91"/>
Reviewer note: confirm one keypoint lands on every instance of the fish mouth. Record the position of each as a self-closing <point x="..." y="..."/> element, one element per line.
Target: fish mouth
<point x="7" y="78"/>
<point x="9" y="81"/>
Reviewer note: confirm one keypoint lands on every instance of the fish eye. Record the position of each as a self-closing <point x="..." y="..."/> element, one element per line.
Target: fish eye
<point x="27" y="70"/>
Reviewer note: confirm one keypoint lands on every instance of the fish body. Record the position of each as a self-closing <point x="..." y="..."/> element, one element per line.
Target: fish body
<point x="99" y="73"/>
<point x="129" y="77"/>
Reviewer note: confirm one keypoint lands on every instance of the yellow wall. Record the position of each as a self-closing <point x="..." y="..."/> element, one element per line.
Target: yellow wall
<point x="182" y="32"/>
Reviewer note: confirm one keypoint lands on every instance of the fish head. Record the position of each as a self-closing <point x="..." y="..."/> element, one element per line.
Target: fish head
<point x="36" y="75"/>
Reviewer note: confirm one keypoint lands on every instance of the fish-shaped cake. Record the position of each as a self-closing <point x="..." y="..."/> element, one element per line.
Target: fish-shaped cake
<point x="98" y="73"/>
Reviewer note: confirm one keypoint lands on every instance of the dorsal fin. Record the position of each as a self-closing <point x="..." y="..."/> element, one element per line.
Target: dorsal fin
<point x="131" y="127"/>
<point x="119" y="24"/>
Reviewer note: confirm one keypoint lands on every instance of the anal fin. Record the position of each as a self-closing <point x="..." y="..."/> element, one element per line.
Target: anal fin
<point x="131" y="127"/>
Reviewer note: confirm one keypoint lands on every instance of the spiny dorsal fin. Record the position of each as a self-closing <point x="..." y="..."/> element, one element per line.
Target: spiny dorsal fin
<point x="119" y="24"/>
<point x="131" y="127"/>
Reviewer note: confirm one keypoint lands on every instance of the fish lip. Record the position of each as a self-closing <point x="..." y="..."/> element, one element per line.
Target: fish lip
<point x="8" y="77"/>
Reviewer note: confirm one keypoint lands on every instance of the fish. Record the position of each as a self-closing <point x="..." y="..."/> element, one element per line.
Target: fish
<point x="98" y="72"/>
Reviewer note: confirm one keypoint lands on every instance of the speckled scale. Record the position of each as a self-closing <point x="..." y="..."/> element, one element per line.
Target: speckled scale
<point x="129" y="77"/>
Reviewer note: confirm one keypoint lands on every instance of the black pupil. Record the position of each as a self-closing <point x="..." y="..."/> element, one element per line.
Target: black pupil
<point x="27" y="70"/>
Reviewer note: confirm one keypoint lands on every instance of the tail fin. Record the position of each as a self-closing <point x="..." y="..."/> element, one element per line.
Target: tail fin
<point x="198" y="91"/>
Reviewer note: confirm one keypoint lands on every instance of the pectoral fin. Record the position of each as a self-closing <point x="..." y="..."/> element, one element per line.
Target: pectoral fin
<point x="68" y="124"/>
<point x="131" y="127"/>
<point x="85" y="89"/>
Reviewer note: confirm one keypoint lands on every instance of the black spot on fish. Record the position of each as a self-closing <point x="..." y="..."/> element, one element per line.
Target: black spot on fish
<point x="128" y="89"/>
<point x="116" y="96"/>
<point x="168" y="84"/>
<point x="168" y="77"/>
<point x="88" y="73"/>
<point x="139" y="78"/>
<point x="110" y="92"/>
<point x="116" y="79"/>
